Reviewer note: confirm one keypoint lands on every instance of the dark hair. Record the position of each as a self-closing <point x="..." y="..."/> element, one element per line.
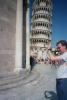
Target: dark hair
<point x="63" y="42"/>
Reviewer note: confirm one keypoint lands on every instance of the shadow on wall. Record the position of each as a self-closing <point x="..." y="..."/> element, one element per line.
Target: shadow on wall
<point x="50" y="95"/>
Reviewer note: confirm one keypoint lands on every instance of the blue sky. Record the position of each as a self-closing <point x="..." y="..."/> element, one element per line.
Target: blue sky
<point x="59" y="21"/>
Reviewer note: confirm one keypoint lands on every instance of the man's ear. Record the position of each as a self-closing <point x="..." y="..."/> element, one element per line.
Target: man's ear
<point x="64" y="47"/>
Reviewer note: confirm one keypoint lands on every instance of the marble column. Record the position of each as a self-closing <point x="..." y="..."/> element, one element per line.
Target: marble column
<point x="28" y="37"/>
<point x="19" y="32"/>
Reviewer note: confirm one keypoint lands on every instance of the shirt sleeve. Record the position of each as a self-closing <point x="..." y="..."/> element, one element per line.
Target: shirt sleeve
<point x="63" y="57"/>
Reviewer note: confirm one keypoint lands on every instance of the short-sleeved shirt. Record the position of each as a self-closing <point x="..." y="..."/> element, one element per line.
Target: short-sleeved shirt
<point x="62" y="66"/>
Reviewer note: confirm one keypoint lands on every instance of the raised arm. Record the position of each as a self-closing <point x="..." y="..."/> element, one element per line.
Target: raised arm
<point x="51" y="56"/>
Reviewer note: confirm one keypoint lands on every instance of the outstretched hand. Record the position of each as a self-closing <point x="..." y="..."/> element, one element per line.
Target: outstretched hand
<point x="49" y="46"/>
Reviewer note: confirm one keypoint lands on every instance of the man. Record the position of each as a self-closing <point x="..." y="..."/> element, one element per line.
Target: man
<point x="61" y="81"/>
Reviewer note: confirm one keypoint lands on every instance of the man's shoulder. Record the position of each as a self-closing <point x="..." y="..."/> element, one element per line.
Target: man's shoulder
<point x="65" y="56"/>
<point x="65" y="53"/>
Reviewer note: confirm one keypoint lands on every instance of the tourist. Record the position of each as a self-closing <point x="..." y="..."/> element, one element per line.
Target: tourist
<point x="61" y="80"/>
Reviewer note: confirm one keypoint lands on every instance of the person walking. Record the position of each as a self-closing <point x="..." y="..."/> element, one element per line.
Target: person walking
<point x="61" y="79"/>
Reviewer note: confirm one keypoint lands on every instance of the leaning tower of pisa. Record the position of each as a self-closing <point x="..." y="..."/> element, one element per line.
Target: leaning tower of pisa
<point x="41" y="23"/>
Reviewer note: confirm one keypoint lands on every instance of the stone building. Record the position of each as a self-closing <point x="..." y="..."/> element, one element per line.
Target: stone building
<point x="14" y="39"/>
<point x="41" y="23"/>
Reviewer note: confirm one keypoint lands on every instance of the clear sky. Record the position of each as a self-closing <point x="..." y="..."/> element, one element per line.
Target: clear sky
<point x="59" y="21"/>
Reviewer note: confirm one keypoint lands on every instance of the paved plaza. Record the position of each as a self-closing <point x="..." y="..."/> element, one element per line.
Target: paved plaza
<point x="39" y="85"/>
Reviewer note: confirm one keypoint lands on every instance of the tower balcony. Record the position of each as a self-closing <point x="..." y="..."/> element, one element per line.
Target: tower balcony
<point x="40" y="36"/>
<point x="41" y="28"/>
<point x="41" y="19"/>
<point x="42" y="11"/>
<point x="37" y="45"/>
<point x="39" y="31"/>
<point x="44" y="38"/>
<point x="43" y="4"/>
<point x="40" y="45"/>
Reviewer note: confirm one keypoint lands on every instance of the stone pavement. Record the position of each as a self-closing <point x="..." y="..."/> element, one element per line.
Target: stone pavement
<point x="39" y="85"/>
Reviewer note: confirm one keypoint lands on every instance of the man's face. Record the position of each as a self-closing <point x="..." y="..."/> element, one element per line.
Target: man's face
<point x="60" y="48"/>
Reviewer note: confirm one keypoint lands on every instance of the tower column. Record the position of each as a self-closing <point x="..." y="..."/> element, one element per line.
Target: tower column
<point x="19" y="32"/>
<point x="27" y="37"/>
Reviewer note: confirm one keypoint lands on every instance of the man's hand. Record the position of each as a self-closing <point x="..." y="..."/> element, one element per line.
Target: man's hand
<point x="49" y="46"/>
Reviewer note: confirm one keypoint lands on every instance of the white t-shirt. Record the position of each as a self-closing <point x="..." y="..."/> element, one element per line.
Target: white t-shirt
<point x="62" y="66"/>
